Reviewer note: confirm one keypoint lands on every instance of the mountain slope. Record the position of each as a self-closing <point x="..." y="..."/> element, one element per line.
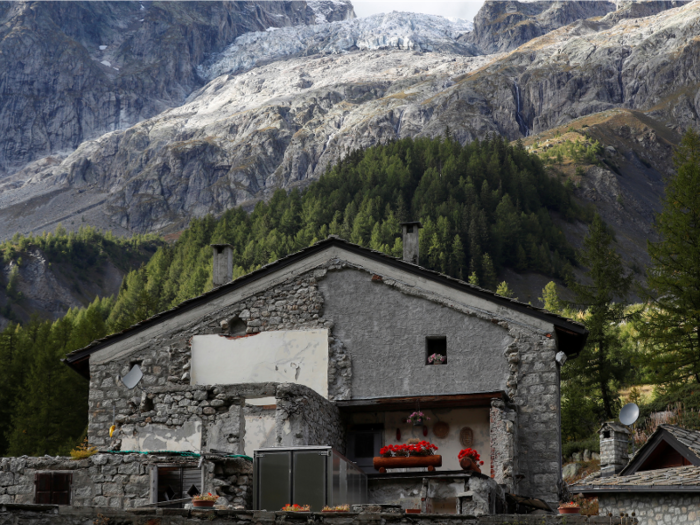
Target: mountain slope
<point x="283" y="123"/>
<point x="70" y="71"/>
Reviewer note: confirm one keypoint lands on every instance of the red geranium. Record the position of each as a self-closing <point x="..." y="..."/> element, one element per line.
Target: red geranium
<point x="472" y="454"/>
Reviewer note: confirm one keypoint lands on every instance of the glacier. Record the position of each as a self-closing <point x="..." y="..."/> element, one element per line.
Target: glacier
<point x="395" y="30"/>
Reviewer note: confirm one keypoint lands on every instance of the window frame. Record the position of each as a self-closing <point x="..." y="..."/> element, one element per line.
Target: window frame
<point x="429" y="351"/>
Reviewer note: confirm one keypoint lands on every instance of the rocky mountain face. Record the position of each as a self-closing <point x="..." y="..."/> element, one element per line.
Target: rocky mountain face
<point x="71" y="71"/>
<point x="281" y="123"/>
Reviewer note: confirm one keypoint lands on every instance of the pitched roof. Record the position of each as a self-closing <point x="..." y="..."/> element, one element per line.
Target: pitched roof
<point x="685" y="442"/>
<point x="677" y="479"/>
<point x="575" y="333"/>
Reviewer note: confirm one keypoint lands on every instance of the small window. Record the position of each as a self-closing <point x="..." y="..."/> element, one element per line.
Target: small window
<point x="606" y="434"/>
<point x="52" y="488"/>
<point x="436" y="350"/>
<point x="409" y="229"/>
<point x="176" y="483"/>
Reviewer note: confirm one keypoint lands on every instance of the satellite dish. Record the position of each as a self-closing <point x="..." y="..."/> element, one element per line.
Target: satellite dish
<point x="629" y="414"/>
<point x="132" y="379"/>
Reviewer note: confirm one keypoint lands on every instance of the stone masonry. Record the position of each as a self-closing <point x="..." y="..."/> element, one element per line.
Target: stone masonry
<point x="614" y="443"/>
<point x="653" y="508"/>
<point x="342" y="297"/>
<point x="503" y="433"/>
<point x="121" y="481"/>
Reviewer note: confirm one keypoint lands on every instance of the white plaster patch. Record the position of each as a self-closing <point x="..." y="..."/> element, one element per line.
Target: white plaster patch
<point x="259" y="431"/>
<point x="154" y="437"/>
<point x="291" y="356"/>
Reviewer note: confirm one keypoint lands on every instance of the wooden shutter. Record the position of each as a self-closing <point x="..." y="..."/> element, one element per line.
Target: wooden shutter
<point x="52" y="488"/>
<point x="43" y="483"/>
<point x="60" y="492"/>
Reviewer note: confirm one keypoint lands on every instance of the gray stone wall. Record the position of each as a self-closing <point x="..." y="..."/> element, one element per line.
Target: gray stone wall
<point x="119" y="481"/>
<point x="303" y="417"/>
<point x="503" y="434"/>
<point x="466" y="493"/>
<point x="41" y="515"/>
<point x="613" y="449"/>
<point x="653" y="508"/>
<point x="293" y="305"/>
<point x="377" y="329"/>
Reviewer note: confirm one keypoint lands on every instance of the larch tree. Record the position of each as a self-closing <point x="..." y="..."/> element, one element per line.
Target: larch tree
<point x="671" y="322"/>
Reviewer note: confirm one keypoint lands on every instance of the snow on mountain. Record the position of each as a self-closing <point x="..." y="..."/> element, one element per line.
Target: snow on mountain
<point x="406" y="31"/>
<point x="326" y="10"/>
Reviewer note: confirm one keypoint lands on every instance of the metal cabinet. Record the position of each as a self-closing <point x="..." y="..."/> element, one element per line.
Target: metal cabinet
<point x="316" y="476"/>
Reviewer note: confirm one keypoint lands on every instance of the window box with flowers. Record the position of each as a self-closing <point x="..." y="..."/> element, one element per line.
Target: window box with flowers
<point x="569" y="508"/>
<point x="437" y="359"/>
<point x="420" y="454"/>
<point x="469" y="459"/>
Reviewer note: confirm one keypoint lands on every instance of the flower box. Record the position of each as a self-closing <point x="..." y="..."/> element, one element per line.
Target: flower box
<point x="381" y="464"/>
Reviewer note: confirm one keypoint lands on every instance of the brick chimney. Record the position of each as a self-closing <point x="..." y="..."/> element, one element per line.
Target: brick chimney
<point x="614" y="439"/>
<point x="410" y="241"/>
<point x="222" y="270"/>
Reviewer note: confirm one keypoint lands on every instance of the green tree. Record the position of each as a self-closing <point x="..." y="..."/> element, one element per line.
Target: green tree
<point x="550" y="298"/>
<point x="504" y="290"/>
<point x="670" y="323"/>
<point x="602" y="366"/>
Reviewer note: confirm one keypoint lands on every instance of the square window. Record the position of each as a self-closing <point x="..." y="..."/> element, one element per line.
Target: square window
<point x="436" y="350"/>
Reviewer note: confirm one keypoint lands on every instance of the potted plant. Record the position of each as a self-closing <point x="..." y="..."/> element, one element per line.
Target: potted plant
<point x="296" y="508"/>
<point x="436" y="359"/>
<point x="204" y="500"/>
<point x="417" y="418"/>
<point x="569" y="508"/>
<point x="469" y="459"/>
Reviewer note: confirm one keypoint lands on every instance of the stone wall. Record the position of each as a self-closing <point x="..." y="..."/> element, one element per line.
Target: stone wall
<point x="303" y="417"/>
<point x="653" y="508"/>
<point x="467" y="493"/>
<point x="293" y="305"/>
<point x="40" y="515"/>
<point x="377" y="328"/>
<point x="503" y="434"/>
<point x="120" y="480"/>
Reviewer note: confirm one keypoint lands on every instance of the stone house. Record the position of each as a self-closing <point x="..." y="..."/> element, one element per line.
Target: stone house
<point x="659" y="484"/>
<point x="331" y="346"/>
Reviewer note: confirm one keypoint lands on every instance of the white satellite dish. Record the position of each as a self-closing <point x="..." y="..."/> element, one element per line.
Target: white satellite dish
<point x="132" y="379"/>
<point x="629" y="414"/>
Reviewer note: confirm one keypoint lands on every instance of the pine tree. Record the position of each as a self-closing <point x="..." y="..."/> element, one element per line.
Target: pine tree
<point x="489" y="273"/>
<point x="669" y="325"/>
<point x="603" y="365"/>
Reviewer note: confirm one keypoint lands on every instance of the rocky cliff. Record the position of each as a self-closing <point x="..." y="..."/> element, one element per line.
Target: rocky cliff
<point x="280" y="124"/>
<point x="71" y="71"/>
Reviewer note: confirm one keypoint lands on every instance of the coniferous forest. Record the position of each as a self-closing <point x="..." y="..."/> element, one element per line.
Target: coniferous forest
<point x="484" y="206"/>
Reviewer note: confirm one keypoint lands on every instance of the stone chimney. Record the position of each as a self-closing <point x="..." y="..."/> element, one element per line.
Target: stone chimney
<point x="222" y="264"/>
<point x="614" y="439"/>
<point x="410" y="241"/>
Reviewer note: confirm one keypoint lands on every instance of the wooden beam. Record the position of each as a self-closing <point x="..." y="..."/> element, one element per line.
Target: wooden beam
<point x="383" y="404"/>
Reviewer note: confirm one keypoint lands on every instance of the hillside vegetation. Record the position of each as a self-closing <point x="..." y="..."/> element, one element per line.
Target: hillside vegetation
<point x="484" y="206"/>
<point x="46" y="275"/>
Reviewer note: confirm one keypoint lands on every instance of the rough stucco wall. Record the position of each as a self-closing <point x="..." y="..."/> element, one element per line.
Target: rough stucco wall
<point x="448" y="447"/>
<point x="653" y="509"/>
<point x="384" y="332"/>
